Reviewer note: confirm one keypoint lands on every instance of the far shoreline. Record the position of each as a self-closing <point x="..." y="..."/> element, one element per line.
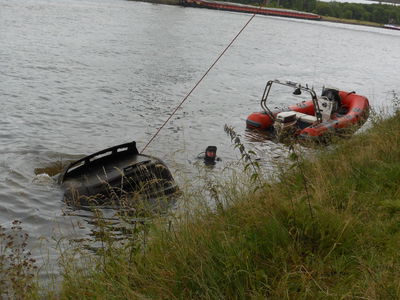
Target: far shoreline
<point x="323" y="18"/>
<point x="351" y="22"/>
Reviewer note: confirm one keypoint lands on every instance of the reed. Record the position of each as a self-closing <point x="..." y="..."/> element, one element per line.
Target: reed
<point x="17" y="267"/>
<point x="325" y="226"/>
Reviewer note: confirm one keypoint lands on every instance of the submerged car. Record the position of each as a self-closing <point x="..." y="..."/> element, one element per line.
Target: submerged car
<point x="115" y="174"/>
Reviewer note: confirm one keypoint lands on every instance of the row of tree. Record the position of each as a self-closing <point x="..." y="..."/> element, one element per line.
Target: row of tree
<point x="379" y="13"/>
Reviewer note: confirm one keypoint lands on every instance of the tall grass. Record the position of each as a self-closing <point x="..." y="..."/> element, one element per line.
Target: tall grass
<point x="17" y="267"/>
<point x="329" y="227"/>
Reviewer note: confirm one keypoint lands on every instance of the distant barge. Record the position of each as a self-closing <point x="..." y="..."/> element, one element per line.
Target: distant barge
<point x="237" y="7"/>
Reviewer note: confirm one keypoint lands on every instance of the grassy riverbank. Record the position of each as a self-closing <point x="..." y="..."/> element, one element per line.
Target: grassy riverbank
<point x="350" y="21"/>
<point x="329" y="228"/>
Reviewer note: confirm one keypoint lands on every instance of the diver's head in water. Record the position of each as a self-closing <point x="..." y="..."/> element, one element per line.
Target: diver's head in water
<point x="210" y="155"/>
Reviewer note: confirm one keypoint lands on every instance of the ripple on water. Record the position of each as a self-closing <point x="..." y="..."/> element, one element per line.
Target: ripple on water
<point x="79" y="76"/>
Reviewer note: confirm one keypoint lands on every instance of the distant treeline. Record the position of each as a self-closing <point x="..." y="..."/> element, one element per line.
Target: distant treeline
<point x="379" y="13"/>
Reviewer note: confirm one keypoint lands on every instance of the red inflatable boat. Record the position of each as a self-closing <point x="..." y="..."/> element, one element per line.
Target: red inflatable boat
<point x="332" y="113"/>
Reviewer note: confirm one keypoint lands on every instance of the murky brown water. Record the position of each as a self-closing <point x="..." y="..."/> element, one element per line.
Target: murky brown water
<point x="80" y="76"/>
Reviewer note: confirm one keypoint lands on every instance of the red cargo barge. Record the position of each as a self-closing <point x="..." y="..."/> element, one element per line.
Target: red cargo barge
<point x="237" y="7"/>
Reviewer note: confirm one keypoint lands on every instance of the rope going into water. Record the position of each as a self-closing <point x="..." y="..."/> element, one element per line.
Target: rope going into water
<point x="198" y="82"/>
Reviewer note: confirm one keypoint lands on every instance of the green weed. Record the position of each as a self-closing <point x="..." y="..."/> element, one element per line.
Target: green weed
<point x="17" y="267"/>
<point x="327" y="227"/>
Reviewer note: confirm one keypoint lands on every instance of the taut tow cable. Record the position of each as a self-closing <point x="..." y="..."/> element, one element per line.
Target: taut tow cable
<point x="198" y="82"/>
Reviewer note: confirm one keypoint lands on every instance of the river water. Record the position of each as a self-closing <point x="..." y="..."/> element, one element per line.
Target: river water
<point x="78" y="76"/>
